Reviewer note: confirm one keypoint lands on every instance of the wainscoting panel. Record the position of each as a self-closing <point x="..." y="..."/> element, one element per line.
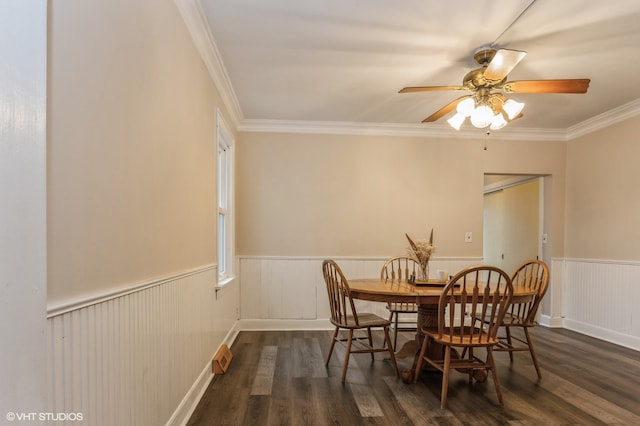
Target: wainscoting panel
<point x="144" y="357"/>
<point x="293" y="288"/>
<point x="594" y="297"/>
<point x="278" y="289"/>
<point x="600" y="298"/>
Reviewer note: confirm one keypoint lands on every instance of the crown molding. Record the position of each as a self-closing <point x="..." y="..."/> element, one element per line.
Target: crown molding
<point x="196" y="22"/>
<point x="394" y="129"/>
<point x="606" y="119"/>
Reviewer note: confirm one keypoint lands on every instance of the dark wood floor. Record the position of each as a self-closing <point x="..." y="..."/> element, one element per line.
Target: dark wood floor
<point x="279" y="378"/>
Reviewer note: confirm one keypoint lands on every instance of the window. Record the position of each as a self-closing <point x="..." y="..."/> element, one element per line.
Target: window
<point x="225" y="200"/>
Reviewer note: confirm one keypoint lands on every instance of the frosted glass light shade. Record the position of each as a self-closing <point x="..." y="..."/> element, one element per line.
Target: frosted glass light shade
<point x="482" y="116"/>
<point x="498" y="122"/>
<point x="512" y="108"/>
<point x="466" y="107"/>
<point x="456" y="121"/>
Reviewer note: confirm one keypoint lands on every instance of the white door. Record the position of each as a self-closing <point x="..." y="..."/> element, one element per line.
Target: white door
<point x="492" y="247"/>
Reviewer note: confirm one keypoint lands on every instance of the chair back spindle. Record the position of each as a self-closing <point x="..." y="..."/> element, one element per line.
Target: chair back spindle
<point x="532" y="275"/>
<point x="477" y="292"/>
<point x="399" y="269"/>
<point x="340" y="301"/>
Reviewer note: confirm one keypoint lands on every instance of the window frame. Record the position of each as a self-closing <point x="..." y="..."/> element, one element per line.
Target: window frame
<point x="225" y="231"/>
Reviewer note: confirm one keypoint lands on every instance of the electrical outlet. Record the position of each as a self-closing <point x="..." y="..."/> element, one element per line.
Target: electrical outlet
<point x="468" y="237"/>
<point x="545" y="238"/>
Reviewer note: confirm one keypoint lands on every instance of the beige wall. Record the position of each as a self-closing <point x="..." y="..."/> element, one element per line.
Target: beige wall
<point x="603" y="198"/>
<point x="131" y="158"/>
<point x="331" y="195"/>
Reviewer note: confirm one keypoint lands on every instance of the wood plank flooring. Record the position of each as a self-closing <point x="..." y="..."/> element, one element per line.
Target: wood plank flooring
<point x="279" y="378"/>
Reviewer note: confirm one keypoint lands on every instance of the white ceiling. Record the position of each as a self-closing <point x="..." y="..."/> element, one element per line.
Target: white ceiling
<point x="340" y="63"/>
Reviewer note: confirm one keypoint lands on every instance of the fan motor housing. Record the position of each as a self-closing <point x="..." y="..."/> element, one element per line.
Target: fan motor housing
<point x="484" y="56"/>
<point x="475" y="79"/>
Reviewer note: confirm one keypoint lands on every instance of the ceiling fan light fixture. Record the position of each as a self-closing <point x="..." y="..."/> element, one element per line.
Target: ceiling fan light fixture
<point x="512" y="108"/>
<point x="498" y="122"/>
<point x="466" y="106"/>
<point x="482" y="116"/>
<point x="457" y="120"/>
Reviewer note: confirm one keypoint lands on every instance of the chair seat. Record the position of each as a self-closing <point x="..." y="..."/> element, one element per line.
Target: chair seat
<point x="365" y="320"/>
<point x="513" y="320"/>
<point x="467" y="339"/>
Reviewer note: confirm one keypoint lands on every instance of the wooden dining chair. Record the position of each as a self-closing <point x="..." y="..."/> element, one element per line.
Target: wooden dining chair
<point x="345" y="318"/>
<point x="475" y="292"/>
<point x="533" y="275"/>
<point x="400" y="268"/>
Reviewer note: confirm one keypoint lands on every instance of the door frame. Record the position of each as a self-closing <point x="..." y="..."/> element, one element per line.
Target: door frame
<point x="510" y="180"/>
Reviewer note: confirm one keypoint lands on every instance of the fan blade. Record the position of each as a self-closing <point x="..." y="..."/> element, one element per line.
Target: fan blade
<point x="431" y="89"/>
<point x="444" y="110"/>
<point x="547" y="86"/>
<point x="502" y="63"/>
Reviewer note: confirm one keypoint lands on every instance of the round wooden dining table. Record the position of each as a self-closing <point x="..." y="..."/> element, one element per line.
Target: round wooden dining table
<point x="426" y="295"/>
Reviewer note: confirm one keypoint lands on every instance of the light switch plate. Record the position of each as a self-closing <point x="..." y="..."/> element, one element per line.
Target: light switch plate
<point x="468" y="237"/>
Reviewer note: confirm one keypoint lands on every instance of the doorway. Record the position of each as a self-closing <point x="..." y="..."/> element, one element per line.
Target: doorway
<point x="512" y="220"/>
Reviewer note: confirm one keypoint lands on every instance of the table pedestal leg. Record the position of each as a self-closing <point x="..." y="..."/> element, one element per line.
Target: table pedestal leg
<point x="427" y="317"/>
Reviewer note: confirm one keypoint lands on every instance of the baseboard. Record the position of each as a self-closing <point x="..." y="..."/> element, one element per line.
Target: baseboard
<point x="187" y="406"/>
<point x="284" y="324"/>
<point x="231" y="334"/>
<point x="628" y="341"/>
<point x="551" y="322"/>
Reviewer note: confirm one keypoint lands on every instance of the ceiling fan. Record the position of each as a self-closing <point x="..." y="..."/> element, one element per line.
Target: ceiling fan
<point x="488" y="106"/>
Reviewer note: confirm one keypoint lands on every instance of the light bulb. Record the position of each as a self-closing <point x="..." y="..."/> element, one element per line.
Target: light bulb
<point x="466" y="106"/>
<point x="512" y="108"/>
<point x="456" y="121"/>
<point x="482" y="116"/>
